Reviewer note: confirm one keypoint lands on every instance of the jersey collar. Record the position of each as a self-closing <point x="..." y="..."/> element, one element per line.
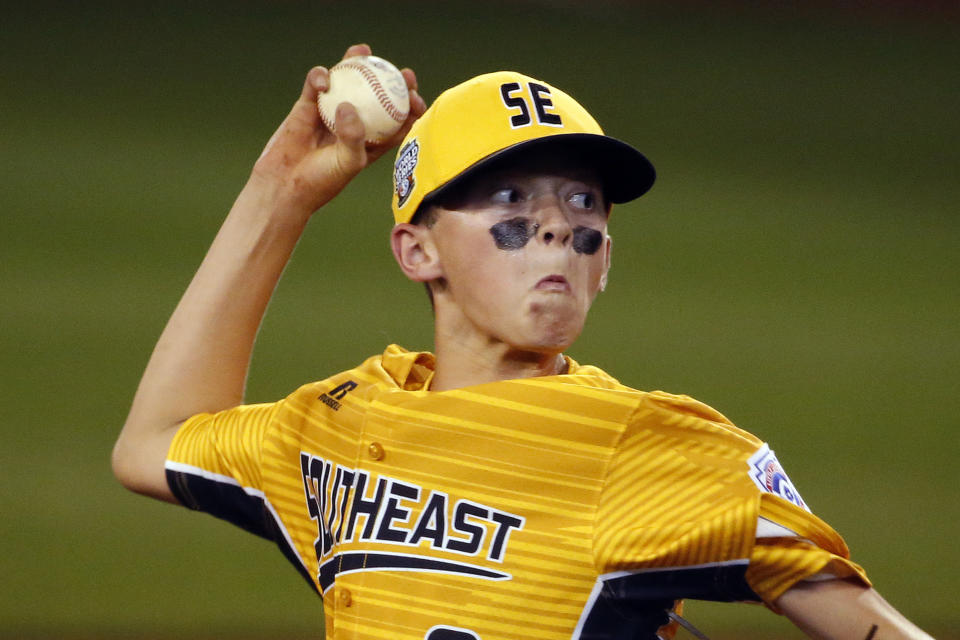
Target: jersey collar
<point x="413" y="370"/>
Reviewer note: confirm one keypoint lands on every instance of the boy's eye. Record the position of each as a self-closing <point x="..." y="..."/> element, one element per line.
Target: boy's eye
<point x="507" y="195"/>
<point x="584" y="200"/>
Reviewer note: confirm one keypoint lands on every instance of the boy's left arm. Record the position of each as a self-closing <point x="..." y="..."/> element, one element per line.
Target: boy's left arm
<point x="845" y="610"/>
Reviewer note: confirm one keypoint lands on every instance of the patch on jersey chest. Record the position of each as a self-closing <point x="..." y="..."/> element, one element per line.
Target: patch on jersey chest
<point x="769" y="476"/>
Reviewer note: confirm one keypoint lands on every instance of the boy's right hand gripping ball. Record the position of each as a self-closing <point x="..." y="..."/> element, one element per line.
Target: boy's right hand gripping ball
<point x="372" y="85"/>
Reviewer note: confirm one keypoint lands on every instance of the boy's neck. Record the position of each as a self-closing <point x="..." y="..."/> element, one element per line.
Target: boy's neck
<point x="460" y="364"/>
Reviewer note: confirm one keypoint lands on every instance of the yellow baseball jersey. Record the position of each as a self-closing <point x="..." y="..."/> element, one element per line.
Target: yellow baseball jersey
<point x="562" y="507"/>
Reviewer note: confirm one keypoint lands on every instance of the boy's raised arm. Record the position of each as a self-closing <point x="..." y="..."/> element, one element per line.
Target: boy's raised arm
<point x="201" y="360"/>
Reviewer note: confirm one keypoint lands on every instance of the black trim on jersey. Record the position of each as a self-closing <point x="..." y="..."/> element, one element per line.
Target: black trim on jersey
<point x="718" y="583"/>
<point x="231" y="503"/>
<point x="222" y="500"/>
<point x="635" y="606"/>
<point x="364" y="561"/>
<point x="607" y="621"/>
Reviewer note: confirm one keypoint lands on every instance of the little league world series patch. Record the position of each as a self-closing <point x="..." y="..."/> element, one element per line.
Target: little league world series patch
<point x="403" y="179"/>
<point x="769" y="476"/>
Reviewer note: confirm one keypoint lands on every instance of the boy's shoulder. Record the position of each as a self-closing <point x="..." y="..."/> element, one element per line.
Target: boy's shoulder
<point x="679" y="412"/>
<point x="581" y="388"/>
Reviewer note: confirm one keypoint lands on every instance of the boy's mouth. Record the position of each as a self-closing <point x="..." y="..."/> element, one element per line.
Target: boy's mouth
<point x="553" y="282"/>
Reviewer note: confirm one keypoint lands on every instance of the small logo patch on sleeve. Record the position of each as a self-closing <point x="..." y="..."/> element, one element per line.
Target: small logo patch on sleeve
<point x="769" y="476"/>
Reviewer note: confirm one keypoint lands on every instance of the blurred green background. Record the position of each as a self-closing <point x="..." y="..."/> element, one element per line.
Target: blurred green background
<point x="796" y="266"/>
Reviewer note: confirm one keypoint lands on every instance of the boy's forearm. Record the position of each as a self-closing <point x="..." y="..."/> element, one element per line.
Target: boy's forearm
<point x="842" y="610"/>
<point x="201" y="360"/>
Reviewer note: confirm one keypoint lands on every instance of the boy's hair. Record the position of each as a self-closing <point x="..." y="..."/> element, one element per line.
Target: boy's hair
<point x="426" y="215"/>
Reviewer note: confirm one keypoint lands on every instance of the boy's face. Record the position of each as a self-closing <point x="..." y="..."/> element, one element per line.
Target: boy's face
<point x="523" y="250"/>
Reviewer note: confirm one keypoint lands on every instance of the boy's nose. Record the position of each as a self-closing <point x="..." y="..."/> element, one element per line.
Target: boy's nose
<point x="551" y="225"/>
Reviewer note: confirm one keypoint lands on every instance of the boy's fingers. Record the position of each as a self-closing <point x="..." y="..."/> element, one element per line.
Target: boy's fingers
<point x="318" y="79"/>
<point x="417" y="104"/>
<point x="358" y="50"/>
<point x="410" y="77"/>
<point x="351" y="152"/>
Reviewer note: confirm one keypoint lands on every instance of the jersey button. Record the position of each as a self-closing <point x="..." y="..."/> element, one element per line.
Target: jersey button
<point x="344" y="597"/>
<point x="375" y="451"/>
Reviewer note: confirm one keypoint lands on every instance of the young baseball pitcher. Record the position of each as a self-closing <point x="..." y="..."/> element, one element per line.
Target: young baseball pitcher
<point x="495" y="488"/>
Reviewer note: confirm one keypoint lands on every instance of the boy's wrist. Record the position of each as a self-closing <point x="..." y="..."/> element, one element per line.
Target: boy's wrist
<point x="270" y="199"/>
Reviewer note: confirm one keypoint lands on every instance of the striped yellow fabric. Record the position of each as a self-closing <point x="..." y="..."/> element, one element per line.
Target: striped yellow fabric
<point x="677" y="494"/>
<point x="499" y="509"/>
<point x="777" y="564"/>
<point x="228" y="443"/>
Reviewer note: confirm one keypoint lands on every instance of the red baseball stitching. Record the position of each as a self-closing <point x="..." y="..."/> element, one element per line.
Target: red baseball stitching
<point x="323" y="116"/>
<point x="385" y="101"/>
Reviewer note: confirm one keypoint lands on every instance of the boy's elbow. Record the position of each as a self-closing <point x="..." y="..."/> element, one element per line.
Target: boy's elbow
<point x="124" y="469"/>
<point x="139" y="464"/>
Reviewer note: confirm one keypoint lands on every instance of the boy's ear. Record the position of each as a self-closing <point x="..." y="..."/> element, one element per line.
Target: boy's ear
<point x="415" y="252"/>
<point x="607" y="252"/>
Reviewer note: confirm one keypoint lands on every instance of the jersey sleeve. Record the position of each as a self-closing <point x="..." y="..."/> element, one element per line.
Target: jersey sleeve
<point x="694" y="507"/>
<point x="214" y="465"/>
<point x="678" y="512"/>
<point x="793" y="545"/>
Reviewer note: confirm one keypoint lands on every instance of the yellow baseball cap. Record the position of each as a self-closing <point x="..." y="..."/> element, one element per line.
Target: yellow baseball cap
<point x="495" y="115"/>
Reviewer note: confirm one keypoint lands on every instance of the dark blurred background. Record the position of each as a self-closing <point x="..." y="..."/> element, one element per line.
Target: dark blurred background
<point x="796" y="266"/>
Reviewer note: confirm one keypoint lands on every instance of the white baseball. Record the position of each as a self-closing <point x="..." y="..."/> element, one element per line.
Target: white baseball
<point x="372" y="85"/>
